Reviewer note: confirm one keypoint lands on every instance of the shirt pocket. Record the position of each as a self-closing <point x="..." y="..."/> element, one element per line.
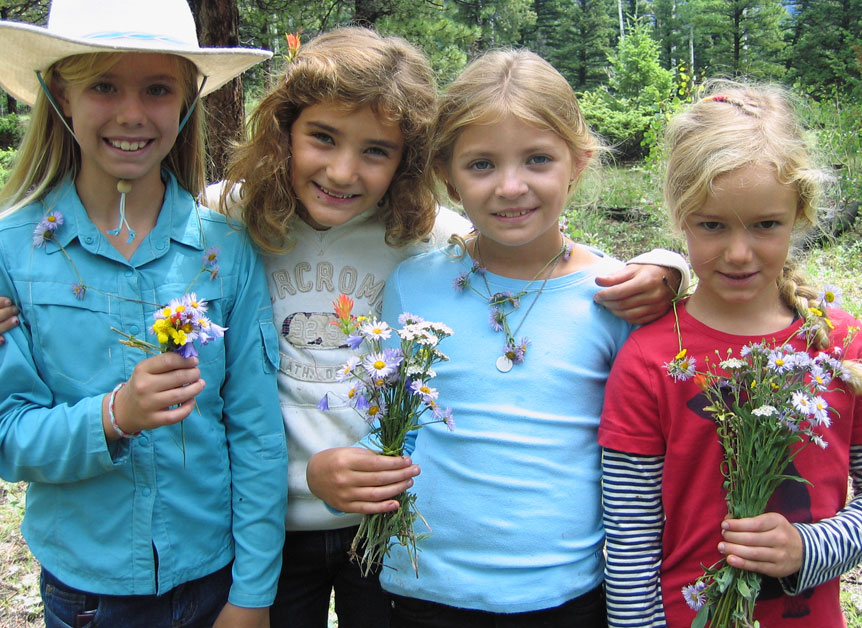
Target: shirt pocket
<point x="269" y="339"/>
<point x="72" y="339"/>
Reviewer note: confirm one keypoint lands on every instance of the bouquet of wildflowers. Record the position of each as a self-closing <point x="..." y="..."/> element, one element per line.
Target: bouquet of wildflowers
<point x="767" y="404"/>
<point x="177" y="327"/>
<point x="389" y="387"/>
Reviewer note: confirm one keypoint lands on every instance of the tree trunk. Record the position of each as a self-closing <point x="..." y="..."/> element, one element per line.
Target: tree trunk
<point x="218" y="26"/>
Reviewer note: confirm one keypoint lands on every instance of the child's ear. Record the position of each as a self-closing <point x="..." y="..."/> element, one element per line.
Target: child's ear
<point x="59" y="95"/>
<point x="578" y="165"/>
<point x="443" y="174"/>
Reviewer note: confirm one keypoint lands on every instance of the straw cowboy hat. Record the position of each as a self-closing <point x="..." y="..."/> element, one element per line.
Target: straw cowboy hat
<point x="84" y="26"/>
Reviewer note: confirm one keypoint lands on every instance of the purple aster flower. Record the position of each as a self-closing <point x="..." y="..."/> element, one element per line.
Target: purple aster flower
<point x="41" y="234"/>
<point x="461" y="281"/>
<point x="801" y="402"/>
<point x="377" y="365"/>
<point x="376" y="330"/>
<point x="478" y="268"/>
<point x="80" y="290"/>
<point x="445" y="416"/>
<point x="211" y="257"/>
<point x="567" y="252"/>
<point x="407" y="318"/>
<point x="495" y="318"/>
<point x="324" y="404"/>
<point x="423" y="390"/>
<point x="694" y="595"/>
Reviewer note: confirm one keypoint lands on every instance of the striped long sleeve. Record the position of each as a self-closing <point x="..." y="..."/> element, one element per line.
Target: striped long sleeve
<point x="832" y="546"/>
<point x="633" y="519"/>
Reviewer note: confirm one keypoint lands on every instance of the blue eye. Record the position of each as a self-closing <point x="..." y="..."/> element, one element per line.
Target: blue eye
<point x="710" y="225"/>
<point x="539" y="159"/>
<point x="481" y="164"/>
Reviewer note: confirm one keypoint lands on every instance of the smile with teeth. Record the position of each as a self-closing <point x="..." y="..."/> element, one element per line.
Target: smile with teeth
<point x="329" y="192"/>
<point x="127" y="145"/>
<point x="515" y="213"/>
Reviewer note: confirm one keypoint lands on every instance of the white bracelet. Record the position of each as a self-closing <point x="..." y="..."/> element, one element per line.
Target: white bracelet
<point x="120" y="432"/>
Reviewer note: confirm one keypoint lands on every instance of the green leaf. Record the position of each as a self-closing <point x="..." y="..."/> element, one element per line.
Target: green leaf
<point x="702" y="617"/>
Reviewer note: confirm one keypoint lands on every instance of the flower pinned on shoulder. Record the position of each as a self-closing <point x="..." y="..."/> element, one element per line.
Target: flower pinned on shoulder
<point x="44" y="231"/>
<point x="210" y="263"/>
<point x="682" y="367"/>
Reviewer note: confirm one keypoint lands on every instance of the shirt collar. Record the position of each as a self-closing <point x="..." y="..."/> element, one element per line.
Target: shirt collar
<point x="179" y="220"/>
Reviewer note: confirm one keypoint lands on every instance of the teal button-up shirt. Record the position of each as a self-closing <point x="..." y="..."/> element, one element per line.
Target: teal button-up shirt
<point x="98" y="514"/>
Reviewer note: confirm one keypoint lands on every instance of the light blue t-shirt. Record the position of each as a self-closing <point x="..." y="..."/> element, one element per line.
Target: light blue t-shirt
<point x="96" y="512"/>
<point x="513" y="493"/>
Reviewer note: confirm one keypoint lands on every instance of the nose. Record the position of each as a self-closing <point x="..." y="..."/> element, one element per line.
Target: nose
<point x="738" y="250"/>
<point x="131" y="110"/>
<point x="510" y="184"/>
<point x="342" y="168"/>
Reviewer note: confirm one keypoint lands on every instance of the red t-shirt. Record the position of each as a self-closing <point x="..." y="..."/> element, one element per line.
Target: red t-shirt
<point x="646" y="412"/>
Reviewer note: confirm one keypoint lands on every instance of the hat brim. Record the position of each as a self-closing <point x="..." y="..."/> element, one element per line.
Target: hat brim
<point x="29" y="48"/>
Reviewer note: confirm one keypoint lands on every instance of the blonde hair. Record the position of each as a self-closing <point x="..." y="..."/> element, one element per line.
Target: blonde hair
<point x="731" y="126"/>
<point x="48" y="152"/>
<point x="350" y="67"/>
<point x="518" y="83"/>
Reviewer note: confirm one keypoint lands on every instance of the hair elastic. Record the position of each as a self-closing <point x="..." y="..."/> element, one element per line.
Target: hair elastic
<point x="731" y="101"/>
<point x="120" y="431"/>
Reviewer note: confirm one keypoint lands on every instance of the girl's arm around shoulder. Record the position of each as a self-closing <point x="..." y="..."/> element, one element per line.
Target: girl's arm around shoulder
<point x="633" y="520"/>
<point x="8" y="318"/>
<point x="644" y="289"/>
<point x="255" y="434"/>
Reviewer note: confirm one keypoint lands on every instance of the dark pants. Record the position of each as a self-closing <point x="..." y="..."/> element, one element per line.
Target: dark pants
<point x="315" y="563"/>
<point x="586" y="611"/>
<point x="194" y="604"/>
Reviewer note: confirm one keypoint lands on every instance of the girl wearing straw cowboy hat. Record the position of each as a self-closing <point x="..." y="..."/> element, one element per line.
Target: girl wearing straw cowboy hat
<point x="157" y="486"/>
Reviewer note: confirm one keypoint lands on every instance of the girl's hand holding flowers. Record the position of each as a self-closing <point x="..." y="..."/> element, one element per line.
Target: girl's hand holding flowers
<point x="767" y="544"/>
<point x="161" y="391"/>
<point x="353" y="479"/>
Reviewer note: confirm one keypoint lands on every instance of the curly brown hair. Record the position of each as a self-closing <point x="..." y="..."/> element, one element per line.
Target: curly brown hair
<point x="353" y="67"/>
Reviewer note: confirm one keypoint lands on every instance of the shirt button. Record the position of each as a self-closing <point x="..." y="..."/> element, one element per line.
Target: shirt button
<point x="88" y="239"/>
<point x="130" y="273"/>
<point x="146" y="491"/>
<point x="134" y="329"/>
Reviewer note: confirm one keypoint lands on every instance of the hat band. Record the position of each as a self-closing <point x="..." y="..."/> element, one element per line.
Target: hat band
<point x="136" y="36"/>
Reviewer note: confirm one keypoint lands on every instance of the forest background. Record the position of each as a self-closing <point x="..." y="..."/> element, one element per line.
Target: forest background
<point x="633" y="64"/>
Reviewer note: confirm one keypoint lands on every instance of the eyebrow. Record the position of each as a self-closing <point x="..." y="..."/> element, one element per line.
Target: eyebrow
<point x="334" y="131"/>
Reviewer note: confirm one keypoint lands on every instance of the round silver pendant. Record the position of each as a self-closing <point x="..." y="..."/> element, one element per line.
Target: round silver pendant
<point x="504" y="364"/>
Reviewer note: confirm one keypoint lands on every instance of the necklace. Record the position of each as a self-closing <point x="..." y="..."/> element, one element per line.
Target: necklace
<point x="503" y="304"/>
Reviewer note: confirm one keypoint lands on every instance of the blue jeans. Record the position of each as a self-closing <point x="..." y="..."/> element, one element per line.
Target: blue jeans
<point x="194" y="604"/>
<point x="314" y="563"/>
<point x="586" y="611"/>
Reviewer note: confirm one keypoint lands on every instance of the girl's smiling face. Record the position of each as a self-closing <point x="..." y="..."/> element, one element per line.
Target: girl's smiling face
<point x="342" y="162"/>
<point x="513" y="180"/>
<point x="126" y="120"/>
<point x="739" y="240"/>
